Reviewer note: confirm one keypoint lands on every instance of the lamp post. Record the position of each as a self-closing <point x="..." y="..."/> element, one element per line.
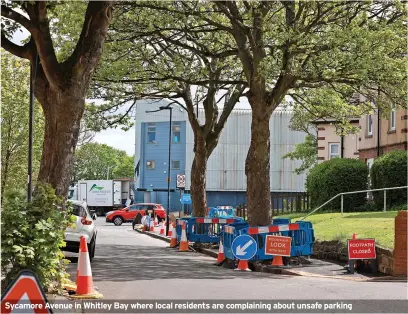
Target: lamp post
<point x="168" y="166"/>
<point x="33" y="76"/>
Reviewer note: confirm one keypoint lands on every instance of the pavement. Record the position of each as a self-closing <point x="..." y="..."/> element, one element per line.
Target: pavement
<point x="130" y="265"/>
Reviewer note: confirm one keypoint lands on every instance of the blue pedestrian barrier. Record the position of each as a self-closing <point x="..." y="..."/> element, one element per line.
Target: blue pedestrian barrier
<point x="301" y="232"/>
<point x="203" y="230"/>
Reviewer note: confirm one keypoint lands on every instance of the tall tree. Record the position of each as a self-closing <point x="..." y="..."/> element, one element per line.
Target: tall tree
<point x="14" y="123"/>
<point x="94" y="161"/>
<point x="61" y="85"/>
<point x="301" y="48"/>
<point x="176" y="57"/>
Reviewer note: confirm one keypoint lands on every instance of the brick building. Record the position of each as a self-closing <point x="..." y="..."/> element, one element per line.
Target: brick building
<point x="378" y="135"/>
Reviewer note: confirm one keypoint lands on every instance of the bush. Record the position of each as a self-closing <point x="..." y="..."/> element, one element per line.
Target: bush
<point x="388" y="171"/>
<point x="32" y="235"/>
<point x="336" y="176"/>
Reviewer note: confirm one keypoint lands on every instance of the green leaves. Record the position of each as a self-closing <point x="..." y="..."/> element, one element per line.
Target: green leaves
<point x="94" y="161"/>
<point x="32" y="235"/>
<point x="14" y="123"/>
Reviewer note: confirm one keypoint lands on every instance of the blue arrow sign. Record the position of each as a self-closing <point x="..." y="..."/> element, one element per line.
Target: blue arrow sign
<point x="244" y="247"/>
<point x="186" y="199"/>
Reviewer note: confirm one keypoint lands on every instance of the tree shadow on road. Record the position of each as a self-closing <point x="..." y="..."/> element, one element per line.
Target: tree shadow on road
<point x="126" y="263"/>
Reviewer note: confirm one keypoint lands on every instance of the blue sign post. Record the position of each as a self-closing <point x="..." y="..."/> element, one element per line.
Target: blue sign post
<point x="186" y="199"/>
<point x="244" y="247"/>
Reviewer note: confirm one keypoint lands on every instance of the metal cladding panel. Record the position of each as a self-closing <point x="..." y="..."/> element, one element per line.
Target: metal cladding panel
<point x="226" y="165"/>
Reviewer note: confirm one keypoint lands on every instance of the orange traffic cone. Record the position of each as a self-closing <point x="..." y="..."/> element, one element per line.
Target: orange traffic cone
<point x="183" y="241"/>
<point x="221" y="256"/>
<point x="173" y="241"/>
<point x="170" y="230"/>
<point x="277" y="261"/>
<point x="243" y="265"/>
<point x="156" y="221"/>
<point x="84" y="281"/>
<point x="151" y="226"/>
<point x="162" y="228"/>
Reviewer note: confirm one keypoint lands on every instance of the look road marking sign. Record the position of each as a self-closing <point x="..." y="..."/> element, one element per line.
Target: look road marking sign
<point x="24" y="295"/>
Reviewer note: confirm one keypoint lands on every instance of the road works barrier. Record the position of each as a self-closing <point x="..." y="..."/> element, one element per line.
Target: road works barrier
<point x="300" y="232"/>
<point x="203" y="230"/>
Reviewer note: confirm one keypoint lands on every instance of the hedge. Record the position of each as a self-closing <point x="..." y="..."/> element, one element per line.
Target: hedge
<point x="388" y="171"/>
<point x="335" y="176"/>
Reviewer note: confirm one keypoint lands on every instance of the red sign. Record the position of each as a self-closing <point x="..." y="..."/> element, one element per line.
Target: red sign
<point x="361" y="249"/>
<point x="25" y="294"/>
<point x="278" y="245"/>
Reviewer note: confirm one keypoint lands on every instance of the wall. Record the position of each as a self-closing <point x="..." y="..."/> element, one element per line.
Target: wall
<point x="389" y="140"/>
<point x="327" y="134"/>
<point x="400" y="244"/>
<point x="158" y="151"/>
<point x="226" y="165"/>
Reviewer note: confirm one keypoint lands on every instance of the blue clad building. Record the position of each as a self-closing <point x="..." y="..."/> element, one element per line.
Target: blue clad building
<point x="226" y="181"/>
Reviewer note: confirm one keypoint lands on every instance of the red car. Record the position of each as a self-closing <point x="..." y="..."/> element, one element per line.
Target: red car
<point x="135" y="213"/>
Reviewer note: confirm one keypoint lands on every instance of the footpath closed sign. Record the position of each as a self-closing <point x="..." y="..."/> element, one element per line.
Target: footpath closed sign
<point x="361" y="249"/>
<point x="278" y="245"/>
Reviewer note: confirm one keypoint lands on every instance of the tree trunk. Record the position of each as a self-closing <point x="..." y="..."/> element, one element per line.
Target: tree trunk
<point x="257" y="168"/>
<point x="4" y="173"/>
<point x="63" y="112"/>
<point x="198" y="177"/>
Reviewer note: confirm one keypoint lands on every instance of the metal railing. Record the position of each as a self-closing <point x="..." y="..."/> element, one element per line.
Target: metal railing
<point x="354" y="192"/>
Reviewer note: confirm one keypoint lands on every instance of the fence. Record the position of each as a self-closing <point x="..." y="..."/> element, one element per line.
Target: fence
<point x="341" y="195"/>
<point x="282" y="203"/>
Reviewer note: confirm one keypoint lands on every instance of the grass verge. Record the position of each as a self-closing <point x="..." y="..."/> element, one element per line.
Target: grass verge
<point x="333" y="226"/>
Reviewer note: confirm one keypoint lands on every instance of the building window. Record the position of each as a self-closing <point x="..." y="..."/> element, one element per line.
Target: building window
<point x="176" y="132"/>
<point x="334" y="150"/>
<point x="393" y="119"/>
<point x="175" y="164"/>
<point x="151" y="164"/>
<point x="151" y="133"/>
<point x="369" y="124"/>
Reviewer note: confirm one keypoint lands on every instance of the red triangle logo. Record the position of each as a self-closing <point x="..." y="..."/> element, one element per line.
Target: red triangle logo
<point x="24" y="295"/>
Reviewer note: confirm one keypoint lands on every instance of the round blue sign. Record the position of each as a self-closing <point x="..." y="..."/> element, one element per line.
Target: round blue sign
<point x="244" y="247"/>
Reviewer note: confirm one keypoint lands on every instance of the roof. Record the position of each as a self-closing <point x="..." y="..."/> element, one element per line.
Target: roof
<point x="323" y="121"/>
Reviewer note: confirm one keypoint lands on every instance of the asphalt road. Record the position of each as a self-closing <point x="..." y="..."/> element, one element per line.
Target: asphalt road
<point x="129" y="265"/>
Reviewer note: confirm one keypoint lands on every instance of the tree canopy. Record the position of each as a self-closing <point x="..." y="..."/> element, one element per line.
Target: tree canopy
<point x="94" y="161"/>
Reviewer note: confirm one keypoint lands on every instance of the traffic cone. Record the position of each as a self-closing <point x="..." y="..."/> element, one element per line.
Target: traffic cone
<point x="243" y="265"/>
<point x="183" y="241"/>
<point x="173" y="241"/>
<point x="156" y="221"/>
<point x="277" y="261"/>
<point x="221" y="256"/>
<point x="151" y="226"/>
<point x="84" y="281"/>
<point x="170" y="230"/>
<point x="162" y="228"/>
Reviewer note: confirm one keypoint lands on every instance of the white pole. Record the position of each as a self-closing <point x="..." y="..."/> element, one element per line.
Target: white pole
<point x="341" y="206"/>
<point x="385" y="200"/>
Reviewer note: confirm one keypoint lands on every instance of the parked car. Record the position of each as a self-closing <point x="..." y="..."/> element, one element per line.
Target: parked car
<point x="135" y="212"/>
<point x="84" y="226"/>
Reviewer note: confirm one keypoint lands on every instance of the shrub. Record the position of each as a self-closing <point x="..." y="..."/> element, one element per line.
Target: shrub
<point x="336" y="176"/>
<point x="388" y="171"/>
<point x="32" y="235"/>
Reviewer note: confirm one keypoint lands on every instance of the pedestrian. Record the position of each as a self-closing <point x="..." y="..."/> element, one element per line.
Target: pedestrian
<point x="132" y="201"/>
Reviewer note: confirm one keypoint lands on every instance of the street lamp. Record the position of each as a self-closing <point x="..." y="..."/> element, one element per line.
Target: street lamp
<point x="168" y="165"/>
<point x="33" y="76"/>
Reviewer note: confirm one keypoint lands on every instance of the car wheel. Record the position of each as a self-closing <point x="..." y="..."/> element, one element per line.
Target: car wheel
<point x="92" y="247"/>
<point x="100" y="212"/>
<point x="117" y="221"/>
